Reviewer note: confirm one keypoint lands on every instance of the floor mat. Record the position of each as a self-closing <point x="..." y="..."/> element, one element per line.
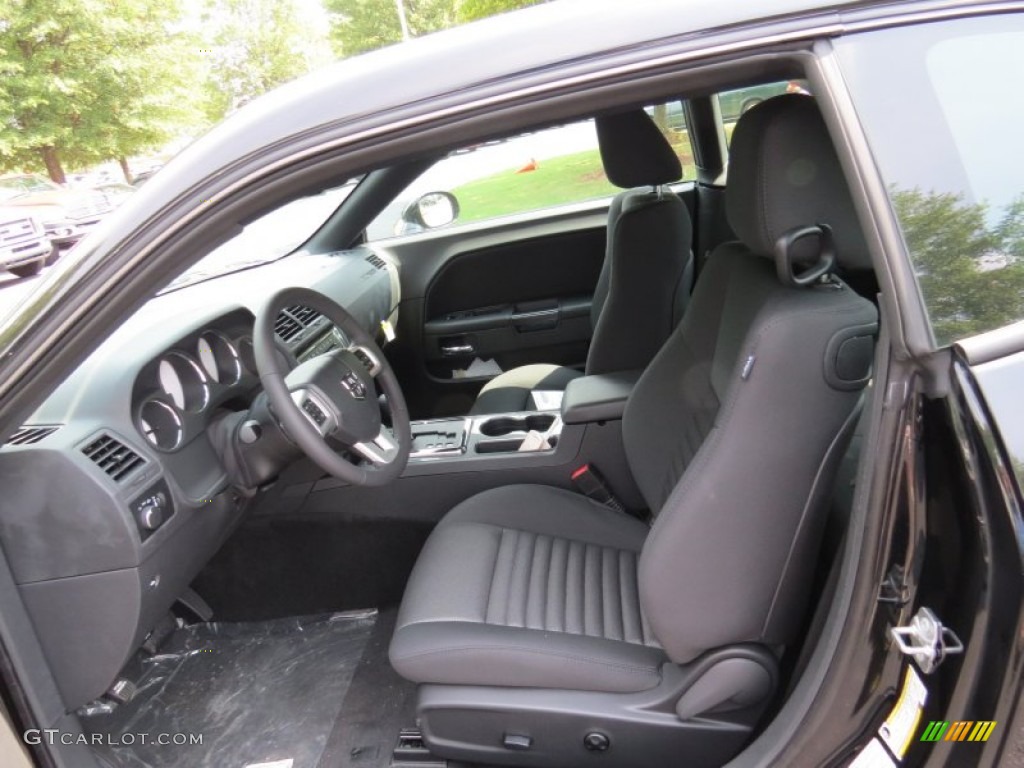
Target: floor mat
<point x="262" y="693"/>
<point x="379" y="703"/>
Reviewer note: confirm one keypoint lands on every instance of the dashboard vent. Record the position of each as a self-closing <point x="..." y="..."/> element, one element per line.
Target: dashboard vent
<point x="293" y="321"/>
<point x="376" y="260"/>
<point x="113" y="457"/>
<point x="30" y="434"/>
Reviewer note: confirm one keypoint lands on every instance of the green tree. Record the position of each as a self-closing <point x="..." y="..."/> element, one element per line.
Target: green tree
<point x="87" y="80"/>
<point x="470" y="10"/>
<point x="253" y="46"/>
<point x="1011" y="229"/>
<point x="363" y="25"/>
<point x="970" y="270"/>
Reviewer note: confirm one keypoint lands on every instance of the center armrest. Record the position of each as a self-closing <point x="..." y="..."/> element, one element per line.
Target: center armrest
<point x="598" y="398"/>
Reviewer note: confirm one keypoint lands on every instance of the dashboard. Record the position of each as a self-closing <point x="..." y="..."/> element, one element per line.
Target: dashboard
<point x="114" y="496"/>
<point x="176" y="393"/>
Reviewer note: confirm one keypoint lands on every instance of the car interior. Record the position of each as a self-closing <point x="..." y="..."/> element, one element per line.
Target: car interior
<point x="557" y="486"/>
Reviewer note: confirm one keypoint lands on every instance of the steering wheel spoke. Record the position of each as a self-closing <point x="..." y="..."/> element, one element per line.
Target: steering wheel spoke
<point x="332" y="398"/>
<point x="316" y="411"/>
<point x="382" y="450"/>
<point x="368" y="358"/>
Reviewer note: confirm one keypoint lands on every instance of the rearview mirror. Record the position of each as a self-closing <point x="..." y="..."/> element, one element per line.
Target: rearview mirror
<point x="430" y="211"/>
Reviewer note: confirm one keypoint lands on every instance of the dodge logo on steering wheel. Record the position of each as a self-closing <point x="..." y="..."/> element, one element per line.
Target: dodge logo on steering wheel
<point x="355" y="387"/>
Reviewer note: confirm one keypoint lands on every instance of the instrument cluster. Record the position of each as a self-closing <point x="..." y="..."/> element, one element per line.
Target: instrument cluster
<point x="176" y="393"/>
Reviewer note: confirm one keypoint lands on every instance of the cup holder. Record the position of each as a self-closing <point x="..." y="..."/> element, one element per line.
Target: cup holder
<point x="510" y="445"/>
<point x="503" y="425"/>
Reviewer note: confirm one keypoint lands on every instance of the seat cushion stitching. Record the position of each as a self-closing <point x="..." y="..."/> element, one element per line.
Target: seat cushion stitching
<point x="529" y="558"/>
<point x="545" y="585"/>
<point x="627" y="622"/>
<point x="510" y="587"/>
<point x="494" y="574"/>
<point x="568" y="587"/>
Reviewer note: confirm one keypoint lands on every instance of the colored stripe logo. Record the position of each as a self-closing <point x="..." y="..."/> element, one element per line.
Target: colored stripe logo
<point x="960" y="730"/>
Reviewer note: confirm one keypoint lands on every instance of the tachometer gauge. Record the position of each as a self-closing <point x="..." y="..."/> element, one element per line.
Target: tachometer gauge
<point x="161" y="425"/>
<point x="183" y="381"/>
<point x="219" y="358"/>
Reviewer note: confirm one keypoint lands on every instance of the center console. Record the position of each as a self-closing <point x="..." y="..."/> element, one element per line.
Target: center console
<point x="483" y="435"/>
<point x="456" y="457"/>
<point x="577" y="425"/>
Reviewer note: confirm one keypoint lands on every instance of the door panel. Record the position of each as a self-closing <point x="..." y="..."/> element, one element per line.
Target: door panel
<point x="515" y="290"/>
<point x="526" y="301"/>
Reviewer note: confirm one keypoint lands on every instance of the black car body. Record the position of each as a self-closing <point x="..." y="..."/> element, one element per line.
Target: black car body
<point x="930" y="513"/>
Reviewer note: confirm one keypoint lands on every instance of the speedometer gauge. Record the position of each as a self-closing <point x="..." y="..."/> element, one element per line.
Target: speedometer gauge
<point x="183" y="382"/>
<point x="160" y="425"/>
<point x="219" y="358"/>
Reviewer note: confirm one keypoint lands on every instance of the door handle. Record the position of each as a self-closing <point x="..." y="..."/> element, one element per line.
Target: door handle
<point x="456" y="350"/>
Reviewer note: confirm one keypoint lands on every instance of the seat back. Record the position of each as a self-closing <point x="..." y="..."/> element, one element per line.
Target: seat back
<point x="647" y="273"/>
<point x="732" y="432"/>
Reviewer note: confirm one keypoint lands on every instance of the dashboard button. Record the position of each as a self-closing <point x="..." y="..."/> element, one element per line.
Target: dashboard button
<point x="314" y="411"/>
<point x="152" y="509"/>
<point x="151" y="515"/>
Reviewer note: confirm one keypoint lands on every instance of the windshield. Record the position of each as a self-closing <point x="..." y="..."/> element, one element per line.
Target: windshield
<point x="269" y="237"/>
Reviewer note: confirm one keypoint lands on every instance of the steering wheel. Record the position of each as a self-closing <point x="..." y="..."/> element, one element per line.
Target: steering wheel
<point x="334" y="395"/>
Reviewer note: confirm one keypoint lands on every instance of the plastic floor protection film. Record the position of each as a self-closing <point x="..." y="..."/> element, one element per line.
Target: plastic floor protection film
<point x="260" y="693"/>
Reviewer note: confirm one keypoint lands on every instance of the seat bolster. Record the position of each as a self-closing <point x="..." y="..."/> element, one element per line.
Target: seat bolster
<point x="451" y="580"/>
<point x="464" y="653"/>
<point x="550" y="511"/>
<point x="510" y="391"/>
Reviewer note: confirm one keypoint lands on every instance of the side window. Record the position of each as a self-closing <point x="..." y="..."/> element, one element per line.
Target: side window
<point x="942" y="108"/>
<point x="530" y="172"/>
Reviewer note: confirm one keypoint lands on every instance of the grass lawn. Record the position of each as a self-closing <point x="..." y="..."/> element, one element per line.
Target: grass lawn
<point x="556" y="181"/>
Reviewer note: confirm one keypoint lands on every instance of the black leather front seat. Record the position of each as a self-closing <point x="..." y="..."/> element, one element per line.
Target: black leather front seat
<point x="536" y="613"/>
<point x="646" y="277"/>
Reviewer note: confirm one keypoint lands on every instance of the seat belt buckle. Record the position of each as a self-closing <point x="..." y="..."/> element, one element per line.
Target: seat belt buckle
<point x="589" y="481"/>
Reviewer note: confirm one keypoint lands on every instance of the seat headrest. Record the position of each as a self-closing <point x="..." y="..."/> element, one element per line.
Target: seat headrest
<point x="784" y="173"/>
<point x="634" y="151"/>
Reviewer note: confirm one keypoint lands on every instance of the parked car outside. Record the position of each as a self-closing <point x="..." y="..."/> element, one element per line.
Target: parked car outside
<point x="734" y="103"/>
<point x="24" y="245"/>
<point x="143" y="176"/>
<point x="67" y="214"/>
